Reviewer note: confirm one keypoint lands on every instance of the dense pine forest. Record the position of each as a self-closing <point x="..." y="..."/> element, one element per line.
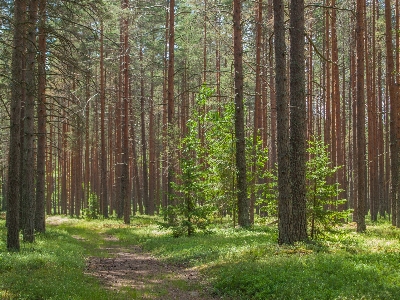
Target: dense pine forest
<point x="193" y="115"/>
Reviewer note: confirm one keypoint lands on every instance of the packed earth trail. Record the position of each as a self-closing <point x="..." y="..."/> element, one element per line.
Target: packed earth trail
<point x="136" y="274"/>
<point x="146" y="276"/>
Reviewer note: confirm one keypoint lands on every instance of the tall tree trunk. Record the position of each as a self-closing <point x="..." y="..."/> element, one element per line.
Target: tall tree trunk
<point x="218" y="63"/>
<point x="49" y="170"/>
<point x="111" y="180"/>
<point x="164" y="171"/>
<point x="22" y="121"/>
<point x="40" y="224"/>
<point x="337" y="138"/>
<point x="393" y="111"/>
<point x="327" y="75"/>
<point x="60" y="166"/>
<point x="205" y="43"/>
<point x="152" y="152"/>
<point x="380" y="137"/>
<point x="355" y="151"/>
<point x="282" y="109"/>
<point x="79" y="169"/>
<point x="242" y="199"/>
<point x="344" y="161"/>
<point x="138" y="199"/>
<point x="118" y="123"/>
<point x="361" y="196"/>
<point x="63" y="158"/>
<point x="14" y="154"/>
<point x="28" y="176"/>
<point x="298" y="121"/>
<point x="87" y="148"/>
<point x="397" y="110"/>
<point x="335" y="134"/>
<point x="125" y="141"/>
<point x="149" y="210"/>
<point x="373" y="158"/>
<point x="103" y="157"/>
<point x="171" y="105"/>
<point x="310" y="110"/>
<point x="257" y="106"/>
<point x="171" y="136"/>
<point x="118" y="148"/>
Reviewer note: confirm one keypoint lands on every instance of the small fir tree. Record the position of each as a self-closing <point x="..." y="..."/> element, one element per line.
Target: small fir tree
<point x="191" y="212"/>
<point x="322" y="196"/>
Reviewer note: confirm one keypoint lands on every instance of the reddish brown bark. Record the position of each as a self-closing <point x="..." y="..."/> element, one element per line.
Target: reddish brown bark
<point x="390" y="77"/>
<point x="136" y="176"/>
<point x="298" y="121"/>
<point x="282" y="108"/>
<point x="327" y="91"/>
<point x="164" y="170"/>
<point x="171" y="102"/>
<point x="372" y="122"/>
<point x="103" y="152"/>
<point x="49" y="172"/>
<point x="13" y="180"/>
<point x="149" y="209"/>
<point x="152" y="152"/>
<point x="111" y="179"/>
<point x="273" y="99"/>
<point x="361" y="155"/>
<point x="396" y="213"/>
<point x="125" y="191"/>
<point x="40" y="224"/>
<point x="310" y="80"/>
<point x="242" y="199"/>
<point x="28" y="158"/>
<point x="257" y="105"/>
<point x="205" y="43"/>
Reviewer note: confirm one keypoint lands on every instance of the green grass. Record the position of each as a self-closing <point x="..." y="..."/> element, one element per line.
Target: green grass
<point x="51" y="268"/>
<point x="240" y="264"/>
<point x="248" y="264"/>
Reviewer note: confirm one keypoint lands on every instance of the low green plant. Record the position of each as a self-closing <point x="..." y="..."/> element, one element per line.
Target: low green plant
<point x="323" y="205"/>
<point x="51" y="268"/>
<point x="92" y="211"/>
<point x="265" y="188"/>
<point x="191" y="213"/>
<point x="248" y="264"/>
<point x="238" y="263"/>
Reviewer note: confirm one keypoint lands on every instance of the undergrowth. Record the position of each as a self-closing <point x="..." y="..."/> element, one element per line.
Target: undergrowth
<point x="51" y="268"/>
<point x="240" y="264"/>
<point x="248" y="264"/>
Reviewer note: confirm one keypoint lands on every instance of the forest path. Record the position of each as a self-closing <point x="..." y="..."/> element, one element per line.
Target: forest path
<point x="140" y="275"/>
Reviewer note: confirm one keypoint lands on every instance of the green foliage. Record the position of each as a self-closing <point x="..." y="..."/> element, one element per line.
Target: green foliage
<point x="191" y="213"/>
<point x="92" y="210"/>
<point x="266" y="188"/>
<point x="239" y="264"/>
<point x="51" y="268"/>
<point x="322" y="196"/>
<point x="248" y="264"/>
<point x="206" y="185"/>
<point x="220" y="159"/>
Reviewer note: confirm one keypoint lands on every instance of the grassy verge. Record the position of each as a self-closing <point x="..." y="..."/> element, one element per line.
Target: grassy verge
<point x="248" y="264"/>
<point x="240" y="264"/>
<point x="51" y="268"/>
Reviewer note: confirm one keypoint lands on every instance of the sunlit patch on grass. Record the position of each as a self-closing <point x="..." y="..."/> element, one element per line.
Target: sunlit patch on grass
<point x="382" y="245"/>
<point x="6" y="295"/>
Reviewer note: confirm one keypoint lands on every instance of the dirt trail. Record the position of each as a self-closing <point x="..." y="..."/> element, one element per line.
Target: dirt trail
<point x="140" y="275"/>
<point x="146" y="275"/>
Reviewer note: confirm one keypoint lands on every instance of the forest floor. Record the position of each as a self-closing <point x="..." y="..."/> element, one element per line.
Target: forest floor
<point x="147" y="275"/>
<point x="101" y="259"/>
<point x="130" y="270"/>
